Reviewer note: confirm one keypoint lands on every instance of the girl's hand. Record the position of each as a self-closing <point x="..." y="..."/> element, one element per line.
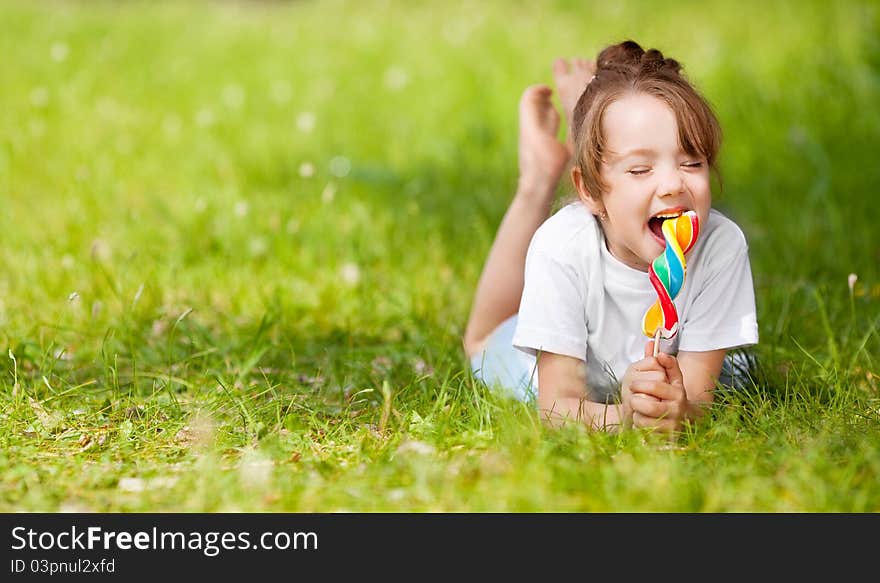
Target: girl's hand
<point x="661" y="404"/>
<point x="640" y="375"/>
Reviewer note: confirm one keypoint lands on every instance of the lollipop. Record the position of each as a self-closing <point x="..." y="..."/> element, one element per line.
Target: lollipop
<point x="667" y="273"/>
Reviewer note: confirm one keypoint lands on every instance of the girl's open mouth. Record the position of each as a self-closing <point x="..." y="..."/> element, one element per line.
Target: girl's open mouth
<point x="655" y="223"/>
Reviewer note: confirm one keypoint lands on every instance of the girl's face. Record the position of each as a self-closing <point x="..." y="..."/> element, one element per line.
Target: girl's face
<point x="648" y="175"/>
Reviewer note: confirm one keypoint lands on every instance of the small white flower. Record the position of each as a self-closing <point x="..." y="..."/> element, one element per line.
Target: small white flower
<point x="351" y="273"/>
<point x="306" y="169"/>
<point x="851" y="281"/>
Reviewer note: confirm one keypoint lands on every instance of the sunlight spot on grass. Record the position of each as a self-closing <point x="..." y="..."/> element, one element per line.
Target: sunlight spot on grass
<point x="59" y="51"/>
<point x="233" y="96"/>
<point x="37" y="128"/>
<point x="258" y="246"/>
<point x="255" y="470"/>
<point x="171" y="126"/>
<point x="416" y="447"/>
<point x="455" y="33"/>
<point x="132" y="484"/>
<point x="100" y="250"/>
<point x="205" y="117"/>
<point x="198" y="434"/>
<point x="124" y="144"/>
<point x="39" y="97"/>
<point x="340" y="166"/>
<point x="396" y="78"/>
<point x="306" y="169"/>
<point x="107" y="108"/>
<point x="305" y="122"/>
<point x="74" y="507"/>
<point x="328" y="193"/>
<point x="280" y="91"/>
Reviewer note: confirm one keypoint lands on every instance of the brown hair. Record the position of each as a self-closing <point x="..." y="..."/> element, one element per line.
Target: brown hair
<point x="626" y="68"/>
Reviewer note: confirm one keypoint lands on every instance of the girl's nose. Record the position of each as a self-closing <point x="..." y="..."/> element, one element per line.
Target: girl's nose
<point x="671" y="182"/>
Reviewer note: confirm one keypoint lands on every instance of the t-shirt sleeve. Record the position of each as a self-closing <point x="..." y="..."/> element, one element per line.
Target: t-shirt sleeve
<point x="723" y="314"/>
<point x="551" y="315"/>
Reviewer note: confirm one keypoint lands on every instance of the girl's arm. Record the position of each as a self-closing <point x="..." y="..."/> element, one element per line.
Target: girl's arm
<point x="700" y="370"/>
<point x="562" y="395"/>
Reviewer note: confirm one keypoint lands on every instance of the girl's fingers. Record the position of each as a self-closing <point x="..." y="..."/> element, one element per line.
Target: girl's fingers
<point x="657" y="389"/>
<point x="648" y="363"/>
<point x="649" y="375"/>
<point x="647" y="406"/>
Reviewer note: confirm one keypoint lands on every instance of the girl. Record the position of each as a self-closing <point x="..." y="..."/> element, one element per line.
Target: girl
<point x="564" y="297"/>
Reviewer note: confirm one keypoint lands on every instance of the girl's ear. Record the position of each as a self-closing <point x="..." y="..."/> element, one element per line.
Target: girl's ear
<point x="595" y="205"/>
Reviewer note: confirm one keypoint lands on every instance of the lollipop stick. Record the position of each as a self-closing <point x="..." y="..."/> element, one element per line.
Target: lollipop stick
<point x="657" y="342"/>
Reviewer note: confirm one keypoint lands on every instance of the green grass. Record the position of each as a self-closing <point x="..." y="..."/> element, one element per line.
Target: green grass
<point x="240" y="241"/>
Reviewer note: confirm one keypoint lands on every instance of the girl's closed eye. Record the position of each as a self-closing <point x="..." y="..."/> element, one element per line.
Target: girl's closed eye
<point x="693" y="164"/>
<point x="638" y="171"/>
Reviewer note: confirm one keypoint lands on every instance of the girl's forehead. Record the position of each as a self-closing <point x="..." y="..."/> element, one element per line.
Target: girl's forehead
<point x="638" y="123"/>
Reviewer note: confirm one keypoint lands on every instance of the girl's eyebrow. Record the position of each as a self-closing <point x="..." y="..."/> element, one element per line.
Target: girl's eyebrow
<point x="648" y="152"/>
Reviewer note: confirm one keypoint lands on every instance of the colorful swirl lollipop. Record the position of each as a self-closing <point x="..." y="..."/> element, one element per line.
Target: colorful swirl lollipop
<point x="667" y="274"/>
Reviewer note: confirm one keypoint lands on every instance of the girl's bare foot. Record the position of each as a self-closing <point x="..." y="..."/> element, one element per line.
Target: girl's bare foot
<point x="571" y="78"/>
<point x="542" y="157"/>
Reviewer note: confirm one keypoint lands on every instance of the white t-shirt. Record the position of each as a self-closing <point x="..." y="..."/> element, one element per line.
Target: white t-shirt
<point x="581" y="301"/>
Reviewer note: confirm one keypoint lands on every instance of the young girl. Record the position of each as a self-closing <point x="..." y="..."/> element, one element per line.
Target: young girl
<point x="558" y="309"/>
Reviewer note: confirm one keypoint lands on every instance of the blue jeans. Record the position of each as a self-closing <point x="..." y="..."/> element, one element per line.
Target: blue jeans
<point x="513" y="372"/>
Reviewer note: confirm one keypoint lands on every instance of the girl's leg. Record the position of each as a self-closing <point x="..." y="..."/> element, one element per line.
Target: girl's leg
<point x="542" y="161"/>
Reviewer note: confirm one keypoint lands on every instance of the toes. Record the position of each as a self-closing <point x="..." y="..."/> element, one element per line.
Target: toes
<point x="560" y="66"/>
<point x="535" y="93"/>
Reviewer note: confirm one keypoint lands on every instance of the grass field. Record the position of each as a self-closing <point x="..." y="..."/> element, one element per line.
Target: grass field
<point x="240" y="240"/>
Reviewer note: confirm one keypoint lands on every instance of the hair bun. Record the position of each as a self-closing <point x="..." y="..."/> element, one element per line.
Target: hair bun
<point x="629" y="54"/>
<point x="626" y="54"/>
